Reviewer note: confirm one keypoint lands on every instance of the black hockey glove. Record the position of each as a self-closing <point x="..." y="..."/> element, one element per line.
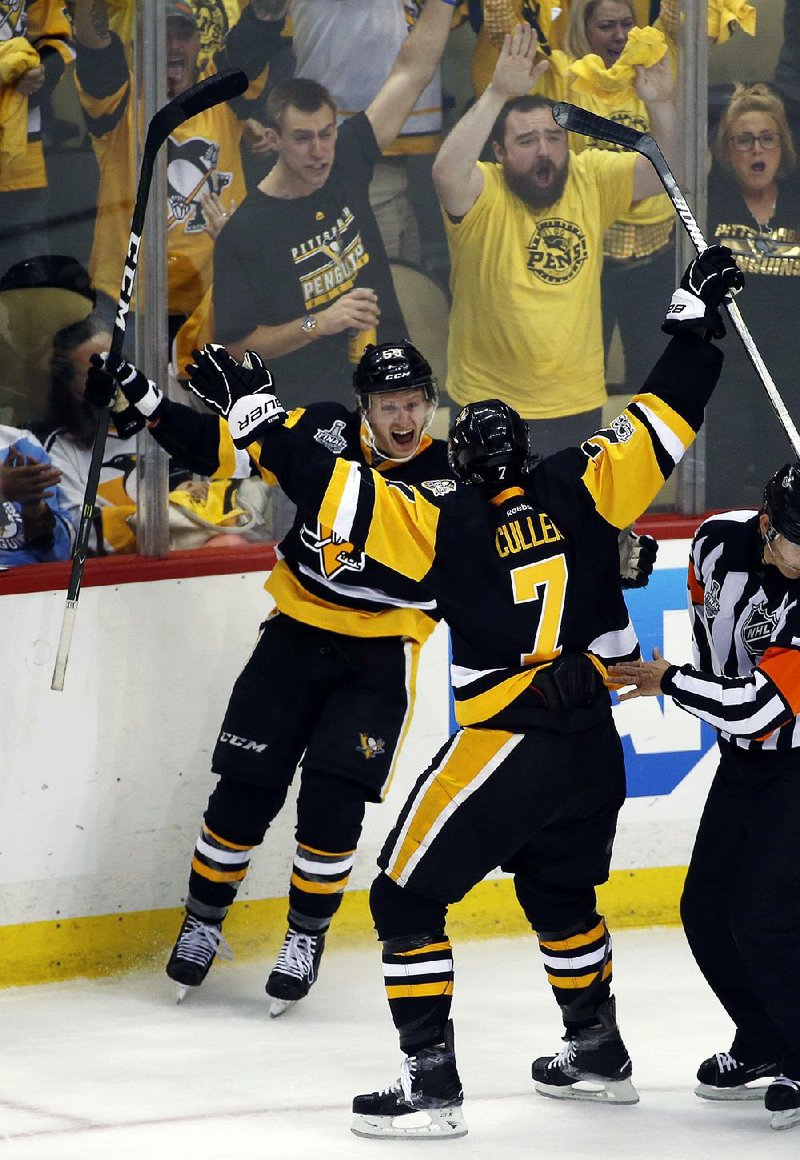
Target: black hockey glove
<point x="637" y="555"/>
<point x="708" y="280"/>
<point x="570" y="682"/>
<point x="239" y="392"/>
<point x="133" y="398"/>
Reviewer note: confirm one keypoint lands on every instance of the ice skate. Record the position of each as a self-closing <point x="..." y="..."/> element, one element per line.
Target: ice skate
<point x="593" y="1065"/>
<point x="295" y="971"/>
<point x="423" y="1104"/>
<point x="724" y="1078"/>
<point x="197" y="944"/>
<point x="783" y="1100"/>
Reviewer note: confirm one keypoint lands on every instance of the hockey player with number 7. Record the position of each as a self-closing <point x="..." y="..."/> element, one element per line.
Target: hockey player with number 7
<point x="523" y="564"/>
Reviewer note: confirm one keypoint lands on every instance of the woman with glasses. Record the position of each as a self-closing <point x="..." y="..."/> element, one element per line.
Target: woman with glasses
<point x="754" y="208"/>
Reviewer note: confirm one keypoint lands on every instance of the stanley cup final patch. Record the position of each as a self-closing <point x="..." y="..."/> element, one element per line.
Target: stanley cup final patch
<point x="332" y="438"/>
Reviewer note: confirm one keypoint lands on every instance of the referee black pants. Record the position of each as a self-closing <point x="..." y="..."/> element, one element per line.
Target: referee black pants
<point x="741" y="902"/>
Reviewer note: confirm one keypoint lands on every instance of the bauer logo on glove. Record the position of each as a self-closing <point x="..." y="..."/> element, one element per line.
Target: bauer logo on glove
<point x="239" y="392"/>
<point x="709" y="279"/>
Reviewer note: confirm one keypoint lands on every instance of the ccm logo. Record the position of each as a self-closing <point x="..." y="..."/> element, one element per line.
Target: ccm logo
<point x="242" y="742"/>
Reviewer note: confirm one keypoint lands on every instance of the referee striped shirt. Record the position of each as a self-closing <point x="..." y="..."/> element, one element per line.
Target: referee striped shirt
<point x="745" y="680"/>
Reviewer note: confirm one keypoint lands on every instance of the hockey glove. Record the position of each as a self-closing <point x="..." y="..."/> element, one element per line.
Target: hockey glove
<point x="637" y="555"/>
<point x="708" y="280"/>
<point x="107" y="372"/>
<point x="239" y="392"/>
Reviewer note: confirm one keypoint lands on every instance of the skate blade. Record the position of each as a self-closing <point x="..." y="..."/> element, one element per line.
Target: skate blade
<point x="433" y="1124"/>
<point x="742" y="1092"/>
<point x="279" y="1006"/>
<point x="593" y="1090"/>
<point x="782" y="1120"/>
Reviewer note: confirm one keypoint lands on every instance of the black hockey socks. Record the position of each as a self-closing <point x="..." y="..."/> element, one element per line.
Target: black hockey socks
<point x="579" y="969"/>
<point x="418" y="975"/>
<point x="218" y="870"/>
<point x="317" y="886"/>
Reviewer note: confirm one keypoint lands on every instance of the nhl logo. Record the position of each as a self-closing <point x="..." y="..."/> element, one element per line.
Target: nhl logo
<point x="758" y="629"/>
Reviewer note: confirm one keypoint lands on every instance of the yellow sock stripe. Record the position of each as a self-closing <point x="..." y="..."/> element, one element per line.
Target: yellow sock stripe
<point x="217" y="875"/>
<point x="577" y="982"/>
<point x="418" y="990"/>
<point x="319" y="887"/>
<point x="576" y="940"/>
<point x="325" y="853"/>
<point x="440" y="946"/>
<point x="223" y="842"/>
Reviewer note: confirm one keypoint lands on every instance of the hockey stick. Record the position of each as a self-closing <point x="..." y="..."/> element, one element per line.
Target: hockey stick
<point x="579" y="120"/>
<point x="223" y="86"/>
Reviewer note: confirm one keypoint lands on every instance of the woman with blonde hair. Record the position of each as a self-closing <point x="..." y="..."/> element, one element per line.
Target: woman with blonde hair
<point x="754" y="208"/>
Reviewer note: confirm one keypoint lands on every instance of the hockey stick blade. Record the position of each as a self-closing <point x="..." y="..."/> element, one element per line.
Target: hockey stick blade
<point x="588" y="124"/>
<point x="578" y="120"/>
<point x="213" y="90"/>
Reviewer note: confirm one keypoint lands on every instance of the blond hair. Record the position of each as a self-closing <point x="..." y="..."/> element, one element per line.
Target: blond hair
<point x="756" y="98"/>
<point x="576" y="42"/>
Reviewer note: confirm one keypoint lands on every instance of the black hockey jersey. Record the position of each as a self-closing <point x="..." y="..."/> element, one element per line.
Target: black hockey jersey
<point x="745" y="614"/>
<point x="533" y="572"/>
<point x="322" y="578"/>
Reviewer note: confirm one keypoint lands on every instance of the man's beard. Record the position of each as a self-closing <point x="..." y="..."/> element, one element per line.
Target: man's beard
<point x="534" y="196"/>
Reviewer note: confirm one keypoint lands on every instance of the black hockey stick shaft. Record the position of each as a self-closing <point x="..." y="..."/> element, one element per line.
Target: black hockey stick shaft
<point x="588" y="124"/>
<point x="222" y="86"/>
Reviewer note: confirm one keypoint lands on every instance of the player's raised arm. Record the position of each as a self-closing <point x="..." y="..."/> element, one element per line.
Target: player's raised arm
<point x="629" y="461"/>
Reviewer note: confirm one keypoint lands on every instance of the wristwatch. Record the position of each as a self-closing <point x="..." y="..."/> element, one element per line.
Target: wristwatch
<point x="309" y="324"/>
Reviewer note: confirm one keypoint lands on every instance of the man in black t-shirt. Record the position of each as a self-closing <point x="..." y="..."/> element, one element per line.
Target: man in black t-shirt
<point x="301" y="265"/>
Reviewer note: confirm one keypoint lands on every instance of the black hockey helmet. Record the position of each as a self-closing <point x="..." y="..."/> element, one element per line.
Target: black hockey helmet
<point x="782" y="503"/>
<point x="393" y="366"/>
<point x="489" y="444"/>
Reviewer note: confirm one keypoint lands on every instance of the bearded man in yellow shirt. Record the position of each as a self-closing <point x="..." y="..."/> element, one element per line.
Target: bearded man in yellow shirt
<point x="526" y="246"/>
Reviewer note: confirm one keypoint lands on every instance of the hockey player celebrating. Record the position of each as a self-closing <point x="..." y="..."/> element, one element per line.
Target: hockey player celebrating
<point x="331" y="679"/>
<point x="523" y="563"/>
<point x="741" y="901"/>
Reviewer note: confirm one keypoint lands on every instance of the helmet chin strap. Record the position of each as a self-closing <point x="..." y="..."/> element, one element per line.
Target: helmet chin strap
<point x="368" y="435"/>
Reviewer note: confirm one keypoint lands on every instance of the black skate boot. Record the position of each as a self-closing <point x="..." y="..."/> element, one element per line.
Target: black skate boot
<point x="724" y="1078"/>
<point x="424" y="1103"/>
<point x="593" y="1065"/>
<point x="198" y="942"/>
<point x="783" y="1100"/>
<point x="295" y="970"/>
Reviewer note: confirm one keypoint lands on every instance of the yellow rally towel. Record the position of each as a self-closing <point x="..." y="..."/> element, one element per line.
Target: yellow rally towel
<point x="725" y="16"/>
<point x="17" y="56"/>
<point x="645" y="47"/>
